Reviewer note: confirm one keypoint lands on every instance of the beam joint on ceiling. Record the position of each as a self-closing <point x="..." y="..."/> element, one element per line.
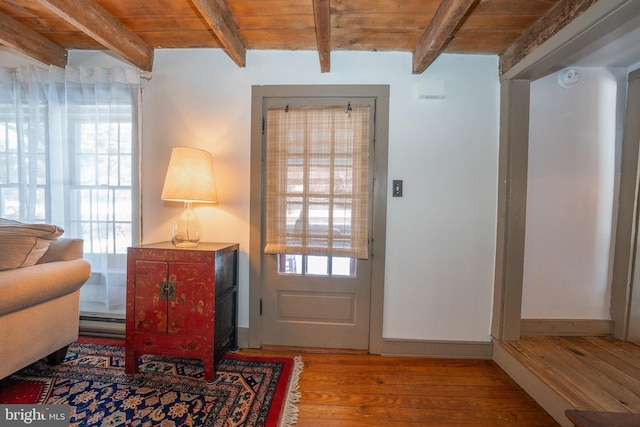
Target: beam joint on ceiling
<point x="446" y="19"/>
<point x="542" y="30"/>
<point x="89" y="17"/>
<point x="17" y="36"/>
<point x="221" y="21"/>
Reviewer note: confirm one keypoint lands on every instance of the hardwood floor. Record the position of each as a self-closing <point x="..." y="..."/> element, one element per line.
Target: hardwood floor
<point x="354" y="389"/>
<point x="587" y="373"/>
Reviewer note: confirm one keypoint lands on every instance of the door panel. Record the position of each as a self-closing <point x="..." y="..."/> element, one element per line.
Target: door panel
<point x="306" y="303"/>
<point x="187" y="306"/>
<point x="296" y="306"/>
<point x="151" y="309"/>
<point x="316" y="311"/>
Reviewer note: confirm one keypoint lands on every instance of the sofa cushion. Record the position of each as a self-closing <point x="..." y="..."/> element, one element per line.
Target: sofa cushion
<point x="63" y="249"/>
<point x="22" y="245"/>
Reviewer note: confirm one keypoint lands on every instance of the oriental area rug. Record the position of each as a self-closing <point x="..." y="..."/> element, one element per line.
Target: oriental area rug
<point x="168" y="391"/>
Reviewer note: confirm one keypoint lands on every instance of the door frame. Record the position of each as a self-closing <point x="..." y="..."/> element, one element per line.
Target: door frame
<point x="625" y="307"/>
<point x="603" y="20"/>
<point x="378" y="240"/>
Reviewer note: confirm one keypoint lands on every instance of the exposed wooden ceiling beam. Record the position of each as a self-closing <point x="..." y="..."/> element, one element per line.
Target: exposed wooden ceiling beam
<point x="93" y="20"/>
<point x="438" y="32"/>
<point x="556" y="19"/>
<point x="23" y="39"/>
<point x="219" y="18"/>
<point x="322" y="14"/>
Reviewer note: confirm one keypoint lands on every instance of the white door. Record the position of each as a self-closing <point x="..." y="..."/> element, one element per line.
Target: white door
<point x="318" y="299"/>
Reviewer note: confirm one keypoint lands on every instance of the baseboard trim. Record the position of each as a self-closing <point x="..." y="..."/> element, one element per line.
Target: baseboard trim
<point x="445" y="349"/>
<point x="417" y="348"/>
<point x="243" y="337"/>
<point x="566" y="327"/>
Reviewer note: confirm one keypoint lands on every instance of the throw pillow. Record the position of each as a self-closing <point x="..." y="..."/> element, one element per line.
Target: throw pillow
<point x="22" y="245"/>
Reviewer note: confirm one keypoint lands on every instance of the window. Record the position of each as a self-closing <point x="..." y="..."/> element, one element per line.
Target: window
<point x="317" y="186"/>
<point x="68" y="156"/>
<point x="316" y="265"/>
<point x="23" y="164"/>
<point x="101" y="185"/>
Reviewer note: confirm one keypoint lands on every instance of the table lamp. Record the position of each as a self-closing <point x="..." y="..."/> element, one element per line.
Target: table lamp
<point x="189" y="179"/>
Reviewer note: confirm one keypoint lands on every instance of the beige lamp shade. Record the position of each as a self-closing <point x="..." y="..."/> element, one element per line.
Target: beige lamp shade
<point x="190" y="177"/>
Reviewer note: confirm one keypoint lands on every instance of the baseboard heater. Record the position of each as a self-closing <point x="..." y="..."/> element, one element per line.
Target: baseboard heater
<point x="102" y="327"/>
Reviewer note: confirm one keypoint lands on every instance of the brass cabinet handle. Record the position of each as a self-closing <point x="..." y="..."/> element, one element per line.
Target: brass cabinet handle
<point x="168" y="290"/>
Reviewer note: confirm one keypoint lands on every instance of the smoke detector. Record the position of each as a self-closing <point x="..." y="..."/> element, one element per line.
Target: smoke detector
<point x="568" y="78"/>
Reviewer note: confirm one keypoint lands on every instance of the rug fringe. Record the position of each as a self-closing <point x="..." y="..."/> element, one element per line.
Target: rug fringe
<point x="290" y="410"/>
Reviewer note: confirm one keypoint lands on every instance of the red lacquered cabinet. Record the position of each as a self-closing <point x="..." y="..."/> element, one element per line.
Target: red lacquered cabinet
<point x="181" y="302"/>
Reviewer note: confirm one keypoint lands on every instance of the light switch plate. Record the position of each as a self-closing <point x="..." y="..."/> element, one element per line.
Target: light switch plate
<point x="397" y="188"/>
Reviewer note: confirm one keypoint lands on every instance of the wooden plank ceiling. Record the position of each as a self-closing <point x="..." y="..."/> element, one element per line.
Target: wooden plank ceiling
<point x="46" y="29"/>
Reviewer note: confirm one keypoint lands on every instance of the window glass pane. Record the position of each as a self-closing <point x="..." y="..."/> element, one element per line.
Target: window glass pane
<point x="294" y="221"/>
<point x="295" y="175"/>
<point x="102" y="170"/>
<point x="123" y="237"/>
<point x="290" y="264"/>
<point x="42" y="169"/>
<point x="87" y="138"/>
<point x="125" y="170"/>
<point x="12" y="169"/>
<point x="341" y="266"/>
<point x="342" y="178"/>
<point x="10" y="200"/>
<point x="319" y="176"/>
<point x="103" y="138"/>
<point x="123" y="208"/>
<point x="125" y="138"/>
<point x="3" y="167"/>
<point x="86" y="166"/>
<point x="317" y="265"/>
<point x="40" y="206"/>
<point x="85" y="205"/>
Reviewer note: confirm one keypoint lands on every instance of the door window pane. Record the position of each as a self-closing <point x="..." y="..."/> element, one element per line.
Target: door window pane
<point x="317" y="265"/>
<point x="290" y="264"/>
<point x="341" y="266"/>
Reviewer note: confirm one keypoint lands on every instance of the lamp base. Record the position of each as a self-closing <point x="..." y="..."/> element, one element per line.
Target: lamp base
<point x="184" y="244"/>
<point x="186" y="228"/>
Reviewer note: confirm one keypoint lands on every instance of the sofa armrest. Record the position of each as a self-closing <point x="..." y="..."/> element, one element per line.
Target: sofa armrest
<point x="24" y="287"/>
<point x="63" y="249"/>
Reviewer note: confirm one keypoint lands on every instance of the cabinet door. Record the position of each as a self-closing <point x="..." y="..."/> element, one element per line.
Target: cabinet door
<point x="191" y="309"/>
<point x="150" y="307"/>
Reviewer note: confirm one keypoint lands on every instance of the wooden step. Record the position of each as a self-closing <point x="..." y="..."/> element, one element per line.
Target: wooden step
<point x="597" y="374"/>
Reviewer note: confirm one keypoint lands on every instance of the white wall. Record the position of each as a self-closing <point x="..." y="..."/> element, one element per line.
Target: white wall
<point x="572" y="181"/>
<point x="440" y="235"/>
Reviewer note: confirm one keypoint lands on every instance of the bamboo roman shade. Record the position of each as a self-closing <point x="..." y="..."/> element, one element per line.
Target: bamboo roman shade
<point x="317" y="180"/>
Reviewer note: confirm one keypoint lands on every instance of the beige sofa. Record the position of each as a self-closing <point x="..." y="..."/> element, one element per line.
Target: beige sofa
<point x="39" y="303"/>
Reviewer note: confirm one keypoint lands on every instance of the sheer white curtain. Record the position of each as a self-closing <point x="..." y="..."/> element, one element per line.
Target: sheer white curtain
<point x="69" y="155"/>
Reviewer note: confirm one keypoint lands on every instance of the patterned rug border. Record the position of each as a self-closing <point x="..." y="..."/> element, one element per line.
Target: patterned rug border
<point x="282" y="411"/>
<point x="283" y="406"/>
